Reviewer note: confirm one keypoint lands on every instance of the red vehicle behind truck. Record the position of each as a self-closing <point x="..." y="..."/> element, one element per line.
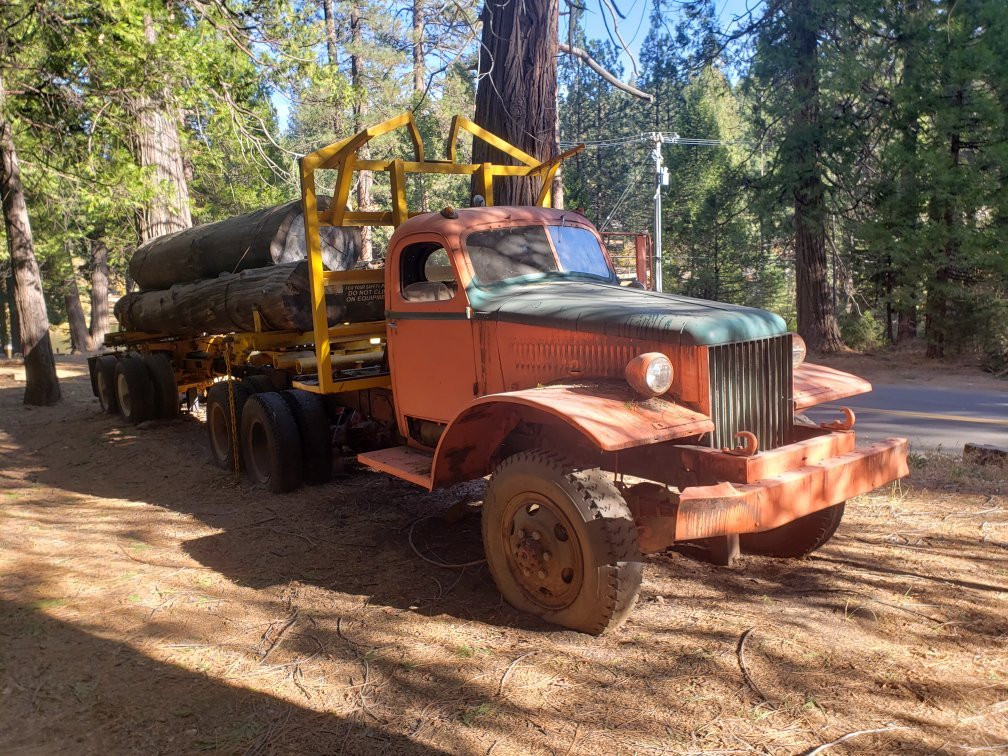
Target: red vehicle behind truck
<point x="613" y="421"/>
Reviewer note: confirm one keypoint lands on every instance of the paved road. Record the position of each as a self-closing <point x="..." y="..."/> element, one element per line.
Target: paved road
<point x="930" y="417"/>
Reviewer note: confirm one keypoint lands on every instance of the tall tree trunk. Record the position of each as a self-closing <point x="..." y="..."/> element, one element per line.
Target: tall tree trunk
<point x="15" y="324"/>
<point x="99" y="292"/>
<point x="330" y="32"/>
<point x="419" y="84"/>
<point x="816" y="319"/>
<point x="937" y="323"/>
<point x="41" y="385"/>
<point x="80" y="341"/>
<point x="5" y="333"/>
<point x="364" y="178"/>
<point x="517" y="90"/>
<point x="159" y="148"/>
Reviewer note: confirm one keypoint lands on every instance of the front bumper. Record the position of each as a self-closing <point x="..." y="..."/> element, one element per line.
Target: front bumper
<point x="806" y="477"/>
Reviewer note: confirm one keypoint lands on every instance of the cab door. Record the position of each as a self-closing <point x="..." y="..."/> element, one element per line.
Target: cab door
<point x="430" y="339"/>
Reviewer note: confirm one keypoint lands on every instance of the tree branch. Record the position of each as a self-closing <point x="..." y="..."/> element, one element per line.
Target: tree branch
<point x="595" y="66"/>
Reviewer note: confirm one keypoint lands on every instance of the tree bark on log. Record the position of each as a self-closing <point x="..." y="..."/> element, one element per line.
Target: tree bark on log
<point x="270" y="236"/>
<point x="226" y="304"/>
<point x="41" y="383"/>
<point x="516" y="94"/>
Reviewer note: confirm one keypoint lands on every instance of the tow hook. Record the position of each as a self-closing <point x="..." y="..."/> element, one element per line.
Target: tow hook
<point x="841" y="425"/>
<point x="747" y="445"/>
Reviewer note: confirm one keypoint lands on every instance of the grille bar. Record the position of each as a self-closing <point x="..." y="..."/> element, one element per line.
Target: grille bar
<point x="750" y="390"/>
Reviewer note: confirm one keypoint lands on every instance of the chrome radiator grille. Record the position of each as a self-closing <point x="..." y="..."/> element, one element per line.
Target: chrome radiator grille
<point x="750" y="389"/>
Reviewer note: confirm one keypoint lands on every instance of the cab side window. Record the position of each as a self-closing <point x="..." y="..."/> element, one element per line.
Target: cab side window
<point x="426" y="273"/>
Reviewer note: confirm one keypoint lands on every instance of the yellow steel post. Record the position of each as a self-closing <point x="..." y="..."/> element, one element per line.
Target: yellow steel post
<point x="486" y="180"/>
<point x="397" y="177"/>
<point x="316" y="276"/>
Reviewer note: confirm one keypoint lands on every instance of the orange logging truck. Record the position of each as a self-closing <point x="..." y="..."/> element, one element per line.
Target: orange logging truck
<point x="613" y="421"/>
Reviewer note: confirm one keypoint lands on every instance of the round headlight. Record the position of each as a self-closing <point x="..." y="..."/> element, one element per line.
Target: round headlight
<point x="798" y="350"/>
<point x="649" y="374"/>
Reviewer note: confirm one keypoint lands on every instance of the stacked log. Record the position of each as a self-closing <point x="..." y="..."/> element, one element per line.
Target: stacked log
<point x="225" y="304"/>
<point x="214" y="278"/>
<point x="271" y="236"/>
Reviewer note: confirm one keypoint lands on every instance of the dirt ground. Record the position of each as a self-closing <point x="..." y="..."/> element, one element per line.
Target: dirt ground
<point x="149" y="605"/>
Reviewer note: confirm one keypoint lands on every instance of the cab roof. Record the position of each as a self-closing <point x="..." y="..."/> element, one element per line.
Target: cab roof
<point x="469" y="217"/>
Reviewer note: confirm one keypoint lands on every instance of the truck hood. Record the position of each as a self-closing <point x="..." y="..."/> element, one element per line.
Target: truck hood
<point x="618" y="311"/>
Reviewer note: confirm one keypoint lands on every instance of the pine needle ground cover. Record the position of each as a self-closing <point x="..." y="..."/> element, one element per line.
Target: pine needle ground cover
<point x="149" y="605"/>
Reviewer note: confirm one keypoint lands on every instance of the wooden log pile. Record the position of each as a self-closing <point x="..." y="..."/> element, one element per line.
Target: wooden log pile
<point x="225" y="304"/>
<point x="215" y="278"/>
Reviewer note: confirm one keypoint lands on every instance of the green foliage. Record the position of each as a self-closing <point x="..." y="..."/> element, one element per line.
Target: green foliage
<point x="862" y="331"/>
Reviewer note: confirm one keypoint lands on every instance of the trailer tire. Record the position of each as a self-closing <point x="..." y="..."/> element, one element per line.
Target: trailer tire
<point x="218" y="421"/>
<point x="105" y="382"/>
<point x="166" y="393"/>
<point x="271" y="445"/>
<point x="796" y="539"/>
<point x="561" y="542"/>
<point x="258" y="383"/>
<point x="313" y="427"/>
<point x="134" y="390"/>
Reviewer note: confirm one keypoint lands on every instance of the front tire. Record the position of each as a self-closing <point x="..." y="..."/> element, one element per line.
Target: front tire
<point x="796" y="539"/>
<point x="561" y="543"/>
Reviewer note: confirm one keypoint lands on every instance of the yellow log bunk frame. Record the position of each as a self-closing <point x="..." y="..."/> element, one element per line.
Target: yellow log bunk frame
<point x="342" y="157"/>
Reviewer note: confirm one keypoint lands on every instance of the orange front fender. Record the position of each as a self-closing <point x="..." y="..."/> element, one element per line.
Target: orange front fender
<point x="609" y="415"/>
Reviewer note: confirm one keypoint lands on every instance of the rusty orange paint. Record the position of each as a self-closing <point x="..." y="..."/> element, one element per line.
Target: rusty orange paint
<point x="607" y="414"/>
<point x="719" y="465"/>
<point x="610" y="414"/>
<point x="725" y="508"/>
<point x="817" y="384"/>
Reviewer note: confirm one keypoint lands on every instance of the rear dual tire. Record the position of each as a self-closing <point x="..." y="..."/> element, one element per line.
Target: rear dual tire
<point x="271" y="443"/>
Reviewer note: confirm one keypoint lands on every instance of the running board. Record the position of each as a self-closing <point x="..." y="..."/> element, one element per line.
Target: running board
<point x="402" y="462"/>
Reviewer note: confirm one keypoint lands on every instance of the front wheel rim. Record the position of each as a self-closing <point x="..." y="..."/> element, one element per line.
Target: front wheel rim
<point x="542" y="550"/>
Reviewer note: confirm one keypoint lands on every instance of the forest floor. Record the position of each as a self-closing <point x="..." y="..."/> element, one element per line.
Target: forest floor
<point x="148" y="604"/>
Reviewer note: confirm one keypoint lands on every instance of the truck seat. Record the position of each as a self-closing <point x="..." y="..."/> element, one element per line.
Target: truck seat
<point x="427" y="291"/>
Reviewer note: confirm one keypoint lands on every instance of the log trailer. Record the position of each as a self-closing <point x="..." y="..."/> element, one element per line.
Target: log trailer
<point x="613" y="421"/>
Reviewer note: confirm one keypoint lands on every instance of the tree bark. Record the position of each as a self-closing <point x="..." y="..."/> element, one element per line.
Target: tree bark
<point x="817" y="322"/>
<point x="330" y="32"/>
<point x="80" y="341"/>
<point x="259" y="239"/>
<point x="419" y="85"/>
<point x="15" y="325"/>
<point x="41" y="384"/>
<point x="99" y="292"/>
<point x="159" y="148"/>
<point x="226" y="304"/>
<point x="5" y="333"/>
<point x="364" y="178"/>
<point x="516" y="94"/>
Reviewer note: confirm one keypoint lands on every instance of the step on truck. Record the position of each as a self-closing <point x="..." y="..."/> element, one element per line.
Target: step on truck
<point x="612" y="421"/>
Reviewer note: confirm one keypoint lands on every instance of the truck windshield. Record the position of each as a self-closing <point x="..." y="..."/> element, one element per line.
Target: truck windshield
<point x="523" y="252"/>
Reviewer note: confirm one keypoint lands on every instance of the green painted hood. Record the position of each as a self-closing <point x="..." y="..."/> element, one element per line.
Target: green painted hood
<point x="619" y="311"/>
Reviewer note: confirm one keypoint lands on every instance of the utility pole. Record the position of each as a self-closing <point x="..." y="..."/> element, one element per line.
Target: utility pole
<point x="661" y="179"/>
<point x="657" y="210"/>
